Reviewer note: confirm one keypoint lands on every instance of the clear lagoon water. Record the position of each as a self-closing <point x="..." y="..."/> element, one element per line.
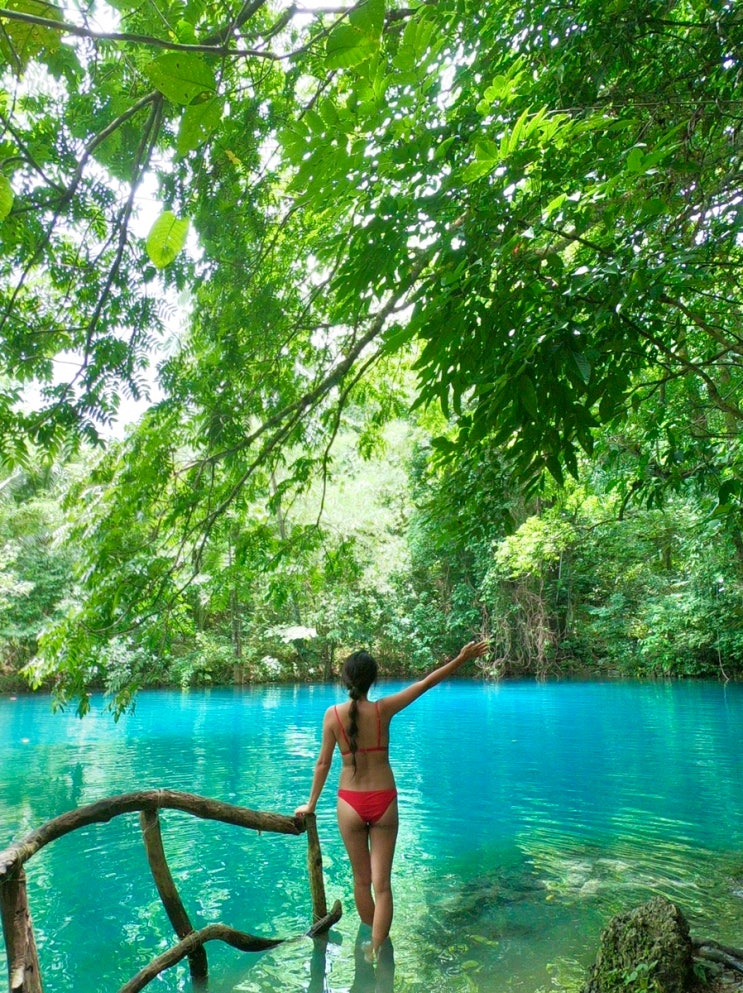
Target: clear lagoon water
<point x="530" y="813"/>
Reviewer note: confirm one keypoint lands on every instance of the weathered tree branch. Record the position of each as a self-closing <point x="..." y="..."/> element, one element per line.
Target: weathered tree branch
<point x="23" y="965"/>
<point x="217" y="932"/>
<point x="713" y="951"/>
<point x="105" y="810"/>
<point x="220" y="932"/>
<point x="23" y="960"/>
<point x="177" y="914"/>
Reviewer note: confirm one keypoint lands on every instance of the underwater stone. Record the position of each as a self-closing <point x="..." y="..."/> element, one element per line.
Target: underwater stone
<point x="648" y="948"/>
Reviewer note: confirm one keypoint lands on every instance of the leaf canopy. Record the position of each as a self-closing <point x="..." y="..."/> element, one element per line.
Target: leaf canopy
<point x="538" y="205"/>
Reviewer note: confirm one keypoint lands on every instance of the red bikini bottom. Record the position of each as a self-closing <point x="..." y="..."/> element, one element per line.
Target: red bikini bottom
<point x="370" y="805"/>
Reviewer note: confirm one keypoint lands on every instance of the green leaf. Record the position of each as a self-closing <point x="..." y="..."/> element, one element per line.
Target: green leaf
<point x="654" y="207"/>
<point x="197" y="124"/>
<point x="186" y="33"/>
<point x="166" y="238"/>
<point x="518" y="128"/>
<point x="396" y="337"/>
<point x="636" y="160"/>
<point x="348" y="46"/>
<point x="182" y="78"/>
<point x="584" y="366"/>
<point x="368" y="17"/>
<point x="415" y="42"/>
<point x="443" y="148"/>
<point x="20" y="41"/>
<point x="328" y="111"/>
<point x="487" y="150"/>
<point x="6" y="197"/>
<point x="478" y="169"/>
<point x="554" y="205"/>
<point x="528" y="396"/>
<point x="487" y="157"/>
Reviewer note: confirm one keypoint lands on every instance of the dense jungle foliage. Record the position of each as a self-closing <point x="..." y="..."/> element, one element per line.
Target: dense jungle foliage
<point x="410" y="559"/>
<point x="437" y="306"/>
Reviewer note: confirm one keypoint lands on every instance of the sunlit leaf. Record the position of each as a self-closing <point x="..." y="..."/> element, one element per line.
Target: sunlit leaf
<point x="368" y="17"/>
<point x="166" y="239"/>
<point x="415" y="42"/>
<point x="6" y="197"/>
<point x="21" y="41"/>
<point x="348" y="46"/>
<point x="635" y="160"/>
<point x="197" y="124"/>
<point x="183" y="78"/>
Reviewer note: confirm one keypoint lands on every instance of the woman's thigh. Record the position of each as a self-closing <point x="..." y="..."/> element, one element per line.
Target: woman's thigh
<point x="382" y="839"/>
<point x="355" y="835"/>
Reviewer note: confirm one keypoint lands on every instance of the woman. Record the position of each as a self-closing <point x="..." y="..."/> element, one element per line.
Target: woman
<point x="367" y="796"/>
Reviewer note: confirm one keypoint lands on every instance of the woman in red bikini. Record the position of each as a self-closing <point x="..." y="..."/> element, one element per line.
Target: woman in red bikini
<point x="367" y="797"/>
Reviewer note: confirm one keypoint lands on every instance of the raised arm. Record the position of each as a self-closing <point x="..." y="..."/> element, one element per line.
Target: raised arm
<point x="396" y="702"/>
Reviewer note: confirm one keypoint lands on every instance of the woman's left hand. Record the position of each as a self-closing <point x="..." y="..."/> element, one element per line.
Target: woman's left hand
<point x="304" y="809"/>
<point x="473" y="650"/>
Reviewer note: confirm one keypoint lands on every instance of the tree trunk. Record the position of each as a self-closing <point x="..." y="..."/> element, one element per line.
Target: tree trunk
<point x="235" y="613"/>
<point x="23" y="959"/>
<point x="153" y="843"/>
<point x="314" y="868"/>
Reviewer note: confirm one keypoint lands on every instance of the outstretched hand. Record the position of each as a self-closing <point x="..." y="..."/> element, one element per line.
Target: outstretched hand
<point x="473" y="650"/>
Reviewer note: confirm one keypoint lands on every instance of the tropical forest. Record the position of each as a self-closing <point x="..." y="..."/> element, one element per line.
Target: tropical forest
<point x="382" y="324"/>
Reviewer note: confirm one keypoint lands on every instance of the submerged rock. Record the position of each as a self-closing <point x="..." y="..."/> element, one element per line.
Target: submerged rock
<point x="648" y="948"/>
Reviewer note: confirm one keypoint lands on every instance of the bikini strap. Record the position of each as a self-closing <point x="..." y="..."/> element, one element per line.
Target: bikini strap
<point x="340" y="725"/>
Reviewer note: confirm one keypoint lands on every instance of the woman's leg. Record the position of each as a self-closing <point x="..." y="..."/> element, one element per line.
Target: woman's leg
<point x="355" y="836"/>
<point x="382" y="838"/>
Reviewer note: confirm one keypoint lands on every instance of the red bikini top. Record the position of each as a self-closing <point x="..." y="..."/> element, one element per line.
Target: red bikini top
<point x="379" y="747"/>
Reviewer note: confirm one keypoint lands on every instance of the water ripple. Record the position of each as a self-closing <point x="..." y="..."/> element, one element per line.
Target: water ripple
<point x="529" y="814"/>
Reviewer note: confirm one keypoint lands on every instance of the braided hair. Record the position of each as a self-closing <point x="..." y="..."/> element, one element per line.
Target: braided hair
<point x="359" y="672"/>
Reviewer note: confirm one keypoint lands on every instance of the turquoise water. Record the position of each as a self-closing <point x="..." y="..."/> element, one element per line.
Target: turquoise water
<point x="529" y="814"/>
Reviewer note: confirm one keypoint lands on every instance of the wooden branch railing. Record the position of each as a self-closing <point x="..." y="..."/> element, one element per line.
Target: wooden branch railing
<point x="23" y="961"/>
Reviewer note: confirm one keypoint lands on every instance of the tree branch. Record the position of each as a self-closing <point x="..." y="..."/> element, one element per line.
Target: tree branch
<point x="68" y="193"/>
<point x="65" y="27"/>
<point x="249" y="8"/>
<point x="710" y="329"/>
<point x="335" y="376"/>
<point x="689" y="367"/>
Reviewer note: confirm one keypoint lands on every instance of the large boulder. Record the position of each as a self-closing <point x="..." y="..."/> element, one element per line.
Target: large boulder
<point x="645" y="949"/>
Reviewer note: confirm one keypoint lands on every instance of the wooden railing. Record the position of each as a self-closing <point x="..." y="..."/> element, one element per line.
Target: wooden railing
<point x="23" y="960"/>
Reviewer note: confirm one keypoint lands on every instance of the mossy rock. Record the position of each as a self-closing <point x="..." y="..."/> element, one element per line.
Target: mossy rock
<point x="646" y="950"/>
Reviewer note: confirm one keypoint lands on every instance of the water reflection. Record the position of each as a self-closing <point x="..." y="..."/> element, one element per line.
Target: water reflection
<point x="368" y="976"/>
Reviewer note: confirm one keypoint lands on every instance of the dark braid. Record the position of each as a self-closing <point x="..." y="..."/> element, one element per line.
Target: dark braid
<point x="359" y="673"/>
<point x="353" y="723"/>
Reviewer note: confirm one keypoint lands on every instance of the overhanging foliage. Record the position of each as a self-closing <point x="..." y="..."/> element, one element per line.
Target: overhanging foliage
<point x="539" y="202"/>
